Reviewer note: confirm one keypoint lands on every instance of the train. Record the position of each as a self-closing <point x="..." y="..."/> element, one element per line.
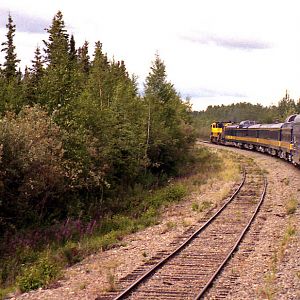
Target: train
<point x="277" y="139"/>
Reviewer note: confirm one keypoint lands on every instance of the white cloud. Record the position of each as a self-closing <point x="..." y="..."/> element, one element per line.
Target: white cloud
<point x="210" y="57"/>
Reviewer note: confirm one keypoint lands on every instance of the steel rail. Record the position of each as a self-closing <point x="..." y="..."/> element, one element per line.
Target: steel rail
<point x="213" y="277"/>
<point x="134" y="285"/>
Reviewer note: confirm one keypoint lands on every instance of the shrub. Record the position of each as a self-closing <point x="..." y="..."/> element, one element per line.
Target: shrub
<point x="202" y="206"/>
<point x="40" y="274"/>
<point x="31" y="166"/>
<point x="71" y="254"/>
<point x="175" y="193"/>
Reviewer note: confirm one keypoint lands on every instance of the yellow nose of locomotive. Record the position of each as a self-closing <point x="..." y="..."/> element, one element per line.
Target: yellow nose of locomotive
<point x="216" y="132"/>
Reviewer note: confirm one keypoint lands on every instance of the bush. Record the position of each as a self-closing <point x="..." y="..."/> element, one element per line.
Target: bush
<point x="40" y="274"/>
<point x="71" y="254"/>
<point x="31" y="165"/>
<point x="175" y="193"/>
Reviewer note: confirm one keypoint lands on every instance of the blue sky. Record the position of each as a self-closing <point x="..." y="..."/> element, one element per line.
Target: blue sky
<point x="215" y="51"/>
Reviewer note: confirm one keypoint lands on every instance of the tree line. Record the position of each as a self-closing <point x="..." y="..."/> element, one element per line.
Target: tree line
<point x="76" y="137"/>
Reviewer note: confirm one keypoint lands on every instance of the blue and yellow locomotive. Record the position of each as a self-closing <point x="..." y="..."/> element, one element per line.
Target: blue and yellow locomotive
<point x="278" y="139"/>
<point x="216" y="130"/>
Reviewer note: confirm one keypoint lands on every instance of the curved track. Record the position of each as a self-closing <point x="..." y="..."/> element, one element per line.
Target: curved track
<point x="189" y="271"/>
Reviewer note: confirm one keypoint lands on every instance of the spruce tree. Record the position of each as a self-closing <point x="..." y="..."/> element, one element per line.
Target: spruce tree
<point x="169" y="133"/>
<point x="37" y="68"/>
<point x="57" y="83"/>
<point x="57" y="46"/>
<point x="11" y="85"/>
<point x="99" y="77"/>
<point x="32" y="79"/>
<point x="84" y="59"/>
<point x="157" y="85"/>
<point x="72" y="47"/>
<point x="11" y="61"/>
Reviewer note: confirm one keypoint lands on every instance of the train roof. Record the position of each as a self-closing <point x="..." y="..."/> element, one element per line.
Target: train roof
<point x="256" y="126"/>
<point x="273" y="126"/>
<point x="266" y="126"/>
<point x="246" y="123"/>
<point x="232" y="126"/>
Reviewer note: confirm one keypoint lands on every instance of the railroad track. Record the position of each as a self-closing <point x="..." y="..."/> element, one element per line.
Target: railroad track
<point x="190" y="270"/>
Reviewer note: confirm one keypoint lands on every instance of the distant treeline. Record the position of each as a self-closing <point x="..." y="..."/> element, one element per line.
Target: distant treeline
<point x="244" y="111"/>
<point x="76" y="138"/>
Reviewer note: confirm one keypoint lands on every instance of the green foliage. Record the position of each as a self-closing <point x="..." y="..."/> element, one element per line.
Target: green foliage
<point x="32" y="92"/>
<point x="71" y="254"/>
<point x="40" y="274"/>
<point x="169" y="131"/>
<point x="59" y="84"/>
<point x="204" y="206"/>
<point x="31" y="169"/>
<point x="195" y="206"/>
<point x="10" y="266"/>
<point x="5" y="291"/>
<point x="12" y="95"/>
<point x="174" y="193"/>
<point x="286" y="107"/>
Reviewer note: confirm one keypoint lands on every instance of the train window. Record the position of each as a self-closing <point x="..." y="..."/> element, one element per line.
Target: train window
<point x="241" y="132"/>
<point x="286" y="135"/>
<point x="252" y="132"/>
<point x="269" y="134"/>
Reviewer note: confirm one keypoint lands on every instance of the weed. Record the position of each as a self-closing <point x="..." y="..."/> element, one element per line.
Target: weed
<point x="204" y="206"/>
<point x="235" y="272"/>
<point x="291" y="206"/>
<point x="238" y="216"/>
<point x="4" y="292"/>
<point x="82" y="286"/>
<point x="169" y="226"/>
<point x="199" y="181"/>
<point x="111" y="276"/>
<point x="286" y="181"/>
<point x="144" y="254"/>
<point x="289" y="232"/>
<point x="38" y="275"/>
<point x="268" y="291"/>
<point x="186" y="223"/>
<point x="148" y="218"/>
<point x="71" y="254"/>
<point x="195" y="206"/>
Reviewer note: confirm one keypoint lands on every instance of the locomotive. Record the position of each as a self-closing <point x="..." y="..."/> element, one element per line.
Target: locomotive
<point x="278" y="139"/>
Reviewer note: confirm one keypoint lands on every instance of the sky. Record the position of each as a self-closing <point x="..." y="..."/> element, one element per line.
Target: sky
<point x="215" y="51"/>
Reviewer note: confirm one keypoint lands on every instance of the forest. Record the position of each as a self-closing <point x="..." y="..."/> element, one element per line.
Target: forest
<point x="75" y="133"/>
